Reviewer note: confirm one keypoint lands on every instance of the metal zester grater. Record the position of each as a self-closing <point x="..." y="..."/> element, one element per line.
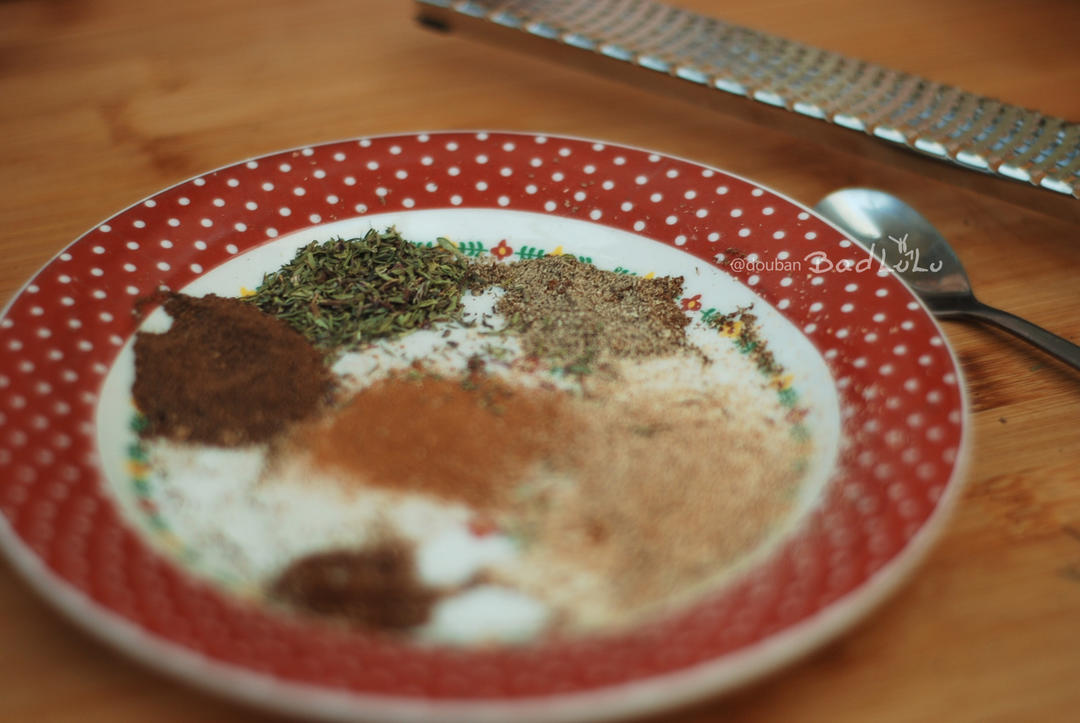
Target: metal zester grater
<point x="1011" y="152"/>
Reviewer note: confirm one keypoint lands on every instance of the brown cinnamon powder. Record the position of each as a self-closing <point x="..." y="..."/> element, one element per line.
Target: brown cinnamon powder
<point x="466" y="440"/>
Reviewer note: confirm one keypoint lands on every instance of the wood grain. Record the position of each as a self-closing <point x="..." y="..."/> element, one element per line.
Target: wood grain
<point x="107" y="101"/>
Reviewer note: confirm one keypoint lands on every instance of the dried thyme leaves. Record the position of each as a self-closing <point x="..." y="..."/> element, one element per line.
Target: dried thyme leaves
<point x="375" y="587"/>
<point x="344" y="293"/>
<point x="576" y="315"/>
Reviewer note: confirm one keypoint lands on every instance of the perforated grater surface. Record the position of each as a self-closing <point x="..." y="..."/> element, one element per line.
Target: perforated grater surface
<point x="1021" y="155"/>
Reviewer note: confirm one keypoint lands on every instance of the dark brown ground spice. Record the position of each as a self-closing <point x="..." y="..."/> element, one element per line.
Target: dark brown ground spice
<point x="466" y="440"/>
<point x="576" y="314"/>
<point x="225" y="373"/>
<point x="373" y="587"/>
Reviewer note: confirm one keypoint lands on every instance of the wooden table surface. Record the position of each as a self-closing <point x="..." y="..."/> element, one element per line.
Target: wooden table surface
<point x="107" y="101"/>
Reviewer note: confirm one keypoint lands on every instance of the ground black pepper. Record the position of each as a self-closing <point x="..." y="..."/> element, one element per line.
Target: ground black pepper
<point x="577" y="315"/>
<point x="748" y="338"/>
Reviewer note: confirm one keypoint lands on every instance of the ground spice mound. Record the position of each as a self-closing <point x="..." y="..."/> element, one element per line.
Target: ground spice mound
<point x="225" y="373"/>
<point x="374" y="587"/>
<point x="575" y="314"/>
<point x="468" y="440"/>
<point x="671" y="483"/>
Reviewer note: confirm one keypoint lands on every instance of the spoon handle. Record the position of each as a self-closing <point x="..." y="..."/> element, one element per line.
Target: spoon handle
<point x="1053" y="344"/>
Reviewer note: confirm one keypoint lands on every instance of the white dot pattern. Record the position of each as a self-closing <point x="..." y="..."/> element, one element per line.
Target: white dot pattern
<point x="903" y="410"/>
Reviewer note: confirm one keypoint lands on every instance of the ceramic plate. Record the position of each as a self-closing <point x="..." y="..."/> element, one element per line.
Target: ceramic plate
<point x="859" y="373"/>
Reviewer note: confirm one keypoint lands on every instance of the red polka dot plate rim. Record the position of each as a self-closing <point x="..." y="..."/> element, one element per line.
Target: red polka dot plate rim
<point x="895" y="474"/>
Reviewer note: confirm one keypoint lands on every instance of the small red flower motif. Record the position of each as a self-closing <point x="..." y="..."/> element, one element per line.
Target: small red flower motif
<point x="502" y="250"/>
<point x="482" y="526"/>
<point x="692" y="304"/>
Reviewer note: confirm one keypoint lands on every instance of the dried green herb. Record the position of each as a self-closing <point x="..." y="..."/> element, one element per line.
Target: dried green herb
<point x="343" y="293"/>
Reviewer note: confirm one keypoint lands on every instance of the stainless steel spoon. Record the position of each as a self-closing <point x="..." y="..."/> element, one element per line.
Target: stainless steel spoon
<point x="923" y="258"/>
